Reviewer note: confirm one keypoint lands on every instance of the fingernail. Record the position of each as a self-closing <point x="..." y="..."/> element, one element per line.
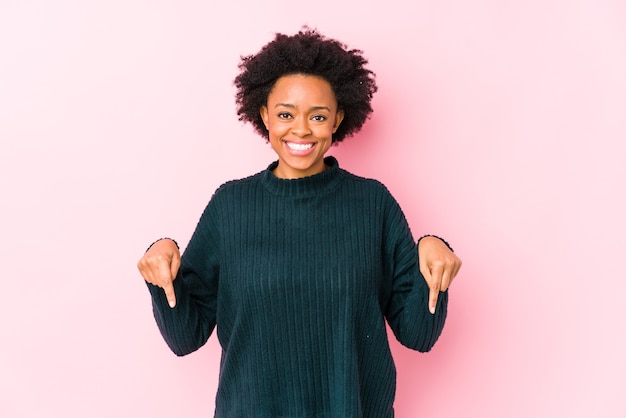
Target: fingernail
<point x="172" y="303"/>
<point x="432" y="310"/>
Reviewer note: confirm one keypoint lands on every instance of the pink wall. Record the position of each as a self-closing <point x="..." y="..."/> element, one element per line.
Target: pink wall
<point x="499" y="125"/>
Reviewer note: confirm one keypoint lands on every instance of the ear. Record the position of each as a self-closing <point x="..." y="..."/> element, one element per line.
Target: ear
<point x="265" y="116"/>
<point x="338" y="118"/>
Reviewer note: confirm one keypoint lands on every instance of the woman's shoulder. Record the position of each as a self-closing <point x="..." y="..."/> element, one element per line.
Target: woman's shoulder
<point x="369" y="183"/>
<point x="372" y="188"/>
<point x="236" y="185"/>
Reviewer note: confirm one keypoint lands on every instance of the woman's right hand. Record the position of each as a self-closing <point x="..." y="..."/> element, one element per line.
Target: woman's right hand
<point x="159" y="266"/>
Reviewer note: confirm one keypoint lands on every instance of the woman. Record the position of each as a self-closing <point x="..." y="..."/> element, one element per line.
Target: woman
<point x="300" y="265"/>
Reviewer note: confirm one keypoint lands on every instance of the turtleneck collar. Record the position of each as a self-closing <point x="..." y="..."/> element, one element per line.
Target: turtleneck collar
<point x="305" y="186"/>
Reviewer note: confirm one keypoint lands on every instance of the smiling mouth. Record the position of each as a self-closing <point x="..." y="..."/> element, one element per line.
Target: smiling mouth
<point x="299" y="146"/>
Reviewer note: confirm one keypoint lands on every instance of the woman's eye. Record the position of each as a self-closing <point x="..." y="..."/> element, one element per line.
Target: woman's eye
<point x="284" y="115"/>
<point x="319" y="118"/>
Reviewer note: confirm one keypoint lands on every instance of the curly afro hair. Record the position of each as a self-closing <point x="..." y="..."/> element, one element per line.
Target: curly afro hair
<point x="307" y="52"/>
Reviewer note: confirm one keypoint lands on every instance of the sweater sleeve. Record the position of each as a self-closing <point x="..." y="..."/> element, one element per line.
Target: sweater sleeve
<point x="406" y="291"/>
<point x="188" y="325"/>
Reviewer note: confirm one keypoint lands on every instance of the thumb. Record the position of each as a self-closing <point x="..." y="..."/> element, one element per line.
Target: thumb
<point x="174" y="265"/>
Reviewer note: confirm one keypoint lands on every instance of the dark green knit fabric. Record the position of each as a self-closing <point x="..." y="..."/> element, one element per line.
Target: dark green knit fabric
<point x="299" y="276"/>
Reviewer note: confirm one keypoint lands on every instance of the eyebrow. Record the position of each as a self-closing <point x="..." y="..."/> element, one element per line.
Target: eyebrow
<point x="291" y="106"/>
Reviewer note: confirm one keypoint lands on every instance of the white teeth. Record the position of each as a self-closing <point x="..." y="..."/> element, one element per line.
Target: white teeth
<point x="299" y="147"/>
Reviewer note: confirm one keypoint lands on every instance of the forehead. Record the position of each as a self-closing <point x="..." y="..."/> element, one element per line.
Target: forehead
<point x="302" y="88"/>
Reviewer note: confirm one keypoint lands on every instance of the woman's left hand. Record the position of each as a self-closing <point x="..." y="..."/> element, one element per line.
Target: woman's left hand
<point x="438" y="265"/>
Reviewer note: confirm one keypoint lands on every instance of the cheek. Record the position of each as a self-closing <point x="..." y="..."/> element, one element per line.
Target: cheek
<point x="323" y="130"/>
<point x="328" y="131"/>
<point x="274" y="130"/>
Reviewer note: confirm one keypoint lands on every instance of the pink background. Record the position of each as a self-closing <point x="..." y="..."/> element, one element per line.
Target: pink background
<point x="499" y="125"/>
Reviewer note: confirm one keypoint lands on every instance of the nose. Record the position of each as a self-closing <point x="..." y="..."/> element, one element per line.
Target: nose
<point x="300" y="127"/>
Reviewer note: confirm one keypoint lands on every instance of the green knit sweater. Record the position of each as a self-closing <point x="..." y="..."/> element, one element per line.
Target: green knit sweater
<point x="299" y="277"/>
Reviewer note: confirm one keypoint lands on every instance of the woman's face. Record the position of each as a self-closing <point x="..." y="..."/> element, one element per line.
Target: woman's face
<point x="301" y="116"/>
